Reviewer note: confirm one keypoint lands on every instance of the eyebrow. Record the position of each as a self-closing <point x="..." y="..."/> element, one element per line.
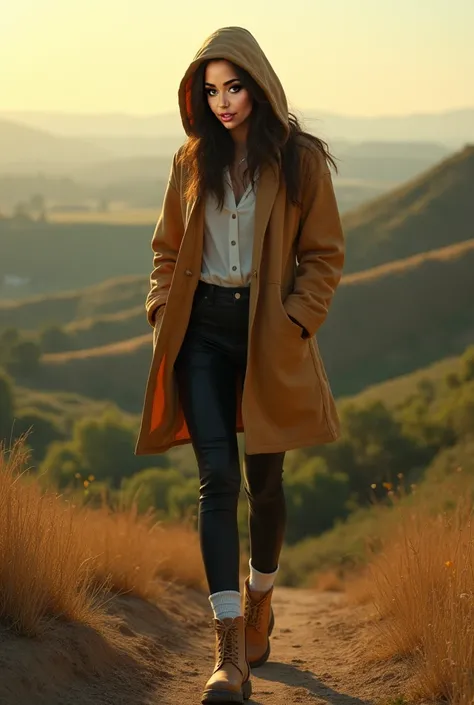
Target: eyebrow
<point x="232" y="80"/>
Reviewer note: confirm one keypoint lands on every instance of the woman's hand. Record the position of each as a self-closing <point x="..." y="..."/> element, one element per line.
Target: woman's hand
<point x="304" y="332"/>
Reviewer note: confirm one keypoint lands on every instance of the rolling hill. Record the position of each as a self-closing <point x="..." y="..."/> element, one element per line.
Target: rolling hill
<point x="69" y="255"/>
<point x="112" y="297"/>
<point x="384" y="322"/>
<point x="433" y="210"/>
<point x="22" y="145"/>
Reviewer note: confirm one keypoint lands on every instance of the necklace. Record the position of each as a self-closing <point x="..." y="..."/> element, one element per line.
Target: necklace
<point x="242" y="161"/>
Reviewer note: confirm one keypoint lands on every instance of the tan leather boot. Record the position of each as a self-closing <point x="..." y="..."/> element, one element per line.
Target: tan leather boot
<point x="230" y="680"/>
<point x="259" y="623"/>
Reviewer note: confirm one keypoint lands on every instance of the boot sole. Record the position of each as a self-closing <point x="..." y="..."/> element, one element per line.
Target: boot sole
<point x="263" y="659"/>
<point x="224" y="696"/>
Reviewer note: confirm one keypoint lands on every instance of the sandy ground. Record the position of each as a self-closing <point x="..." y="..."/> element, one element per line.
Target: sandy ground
<point x="321" y="650"/>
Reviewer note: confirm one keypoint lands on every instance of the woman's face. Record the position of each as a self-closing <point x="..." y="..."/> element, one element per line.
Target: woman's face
<point x="230" y="102"/>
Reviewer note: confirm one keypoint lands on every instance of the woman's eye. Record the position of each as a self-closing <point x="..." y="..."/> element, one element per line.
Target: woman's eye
<point x="211" y="91"/>
<point x="236" y="87"/>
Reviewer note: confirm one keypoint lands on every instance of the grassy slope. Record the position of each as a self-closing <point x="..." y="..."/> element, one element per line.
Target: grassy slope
<point x="351" y="543"/>
<point x="61" y="257"/>
<point x="79" y="308"/>
<point x="432" y="211"/>
<point x="393" y="320"/>
<point x="429" y="212"/>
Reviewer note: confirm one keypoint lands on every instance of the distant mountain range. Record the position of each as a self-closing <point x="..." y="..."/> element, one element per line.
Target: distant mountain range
<point x="22" y="144"/>
<point x="48" y="158"/>
<point x="452" y="127"/>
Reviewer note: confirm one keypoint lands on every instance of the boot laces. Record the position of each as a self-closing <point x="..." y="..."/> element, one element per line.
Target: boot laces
<point x="253" y="614"/>
<point x="227" y="644"/>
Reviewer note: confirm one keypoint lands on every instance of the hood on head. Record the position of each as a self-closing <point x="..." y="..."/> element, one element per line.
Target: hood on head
<point x="237" y="45"/>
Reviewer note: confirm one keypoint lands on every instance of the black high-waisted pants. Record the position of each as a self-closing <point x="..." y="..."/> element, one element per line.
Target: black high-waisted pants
<point x="210" y="364"/>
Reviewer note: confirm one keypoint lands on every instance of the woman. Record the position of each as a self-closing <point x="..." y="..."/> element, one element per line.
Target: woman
<point x="248" y="252"/>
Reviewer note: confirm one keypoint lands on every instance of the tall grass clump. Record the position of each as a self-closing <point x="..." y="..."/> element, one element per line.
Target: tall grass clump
<point x="44" y="568"/>
<point x="423" y="586"/>
<point x="61" y="560"/>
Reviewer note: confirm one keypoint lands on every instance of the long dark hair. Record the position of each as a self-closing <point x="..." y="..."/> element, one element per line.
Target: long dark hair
<point x="210" y="149"/>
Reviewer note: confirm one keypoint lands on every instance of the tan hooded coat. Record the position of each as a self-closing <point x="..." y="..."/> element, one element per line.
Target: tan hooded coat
<point x="298" y="254"/>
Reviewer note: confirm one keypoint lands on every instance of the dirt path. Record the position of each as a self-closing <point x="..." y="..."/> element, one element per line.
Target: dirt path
<point x="163" y="655"/>
<point x="321" y="653"/>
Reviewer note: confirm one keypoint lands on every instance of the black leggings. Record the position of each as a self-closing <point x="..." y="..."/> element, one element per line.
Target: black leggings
<point x="211" y="363"/>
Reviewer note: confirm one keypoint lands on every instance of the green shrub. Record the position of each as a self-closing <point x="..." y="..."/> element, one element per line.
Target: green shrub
<point x="41" y="430"/>
<point x="151" y="489"/>
<point x="315" y="498"/>
<point x="7" y="405"/>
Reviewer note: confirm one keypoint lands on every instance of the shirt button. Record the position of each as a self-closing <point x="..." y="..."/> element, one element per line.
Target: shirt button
<point x="188" y="273"/>
<point x="234" y="268"/>
<point x="232" y="242"/>
<point x="237" y="295"/>
<point x="234" y="216"/>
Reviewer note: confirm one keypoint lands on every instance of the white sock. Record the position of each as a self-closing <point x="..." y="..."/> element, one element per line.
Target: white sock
<point x="261" y="582"/>
<point x="226" y="604"/>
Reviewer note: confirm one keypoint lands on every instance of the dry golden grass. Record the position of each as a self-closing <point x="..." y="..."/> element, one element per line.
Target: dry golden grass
<point x="328" y="581"/>
<point x="423" y="586"/>
<point x="401" y="266"/>
<point x="132" y="550"/>
<point x="112" y="349"/>
<point x="60" y="560"/>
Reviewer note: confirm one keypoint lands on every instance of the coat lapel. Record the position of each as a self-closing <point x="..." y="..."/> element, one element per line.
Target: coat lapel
<point x="193" y="237"/>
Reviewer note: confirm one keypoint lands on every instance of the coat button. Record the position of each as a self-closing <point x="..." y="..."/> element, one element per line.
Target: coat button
<point x="234" y="216"/>
<point x="188" y="273"/>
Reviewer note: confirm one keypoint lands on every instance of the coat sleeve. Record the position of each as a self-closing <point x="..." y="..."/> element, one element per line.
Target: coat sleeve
<point x="320" y="248"/>
<point x="165" y="245"/>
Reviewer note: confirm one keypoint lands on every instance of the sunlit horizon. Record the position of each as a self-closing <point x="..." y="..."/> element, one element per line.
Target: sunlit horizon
<point x="341" y="57"/>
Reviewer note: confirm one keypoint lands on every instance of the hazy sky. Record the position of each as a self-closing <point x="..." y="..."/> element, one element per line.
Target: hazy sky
<point x="357" y="57"/>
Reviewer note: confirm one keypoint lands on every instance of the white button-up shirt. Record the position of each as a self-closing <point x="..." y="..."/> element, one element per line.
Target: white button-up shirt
<point x="228" y="238"/>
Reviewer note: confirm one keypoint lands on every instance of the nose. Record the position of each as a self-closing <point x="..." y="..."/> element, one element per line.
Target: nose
<point x="223" y="100"/>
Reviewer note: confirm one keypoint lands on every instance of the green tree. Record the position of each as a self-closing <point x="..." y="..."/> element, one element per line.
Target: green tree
<point x="24" y="359"/>
<point x="315" y="499"/>
<point x="467" y="364"/>
<point x="183" y="499"/>
<point x="106" y="447"/>
<point x="457" y="413"/>
<point x="378" y="446"/>
<point x="7" y="407"/>
<point x="41" y="430"/>
<point x="427" y="430"/>
<point x="37" y="203"/>
<point x="9" y="337"/>
<point x="61" y="464"/>
<point x="151" y="488"/>
<point x="55" y="339"/>
<point x="21" y="212"/>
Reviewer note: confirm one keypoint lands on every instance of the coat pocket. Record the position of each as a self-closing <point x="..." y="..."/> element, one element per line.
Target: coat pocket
<point x="293" y="328"/>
